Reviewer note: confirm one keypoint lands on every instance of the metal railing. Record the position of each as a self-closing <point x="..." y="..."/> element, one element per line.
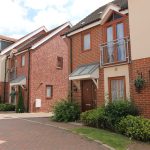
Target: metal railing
<point x="114" y="52"/>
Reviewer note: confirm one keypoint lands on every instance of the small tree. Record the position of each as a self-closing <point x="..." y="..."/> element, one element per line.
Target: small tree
<point x="20" y="104"/>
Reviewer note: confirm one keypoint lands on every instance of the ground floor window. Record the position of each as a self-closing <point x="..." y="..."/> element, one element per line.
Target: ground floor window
<point x="117" y="88"/>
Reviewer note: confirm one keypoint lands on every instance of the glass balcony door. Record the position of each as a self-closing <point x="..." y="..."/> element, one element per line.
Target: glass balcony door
<point x="120" y="37"/>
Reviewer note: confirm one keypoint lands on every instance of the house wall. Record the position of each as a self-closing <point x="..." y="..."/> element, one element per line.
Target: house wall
<point x="21" y="71"/>
<point x="44" y="72"/>
<point x="140" y="52"/>
<point x="2" y="77"/>
<point x="139" y="28"/>
<point x="80" y="57"/>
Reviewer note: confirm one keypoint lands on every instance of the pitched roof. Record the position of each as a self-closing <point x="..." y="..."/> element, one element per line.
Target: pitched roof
<point x="51" y="34"/>
<point x="96" y="15"/>
<point x="22" y="40"/>
<point x="40" y="38"/>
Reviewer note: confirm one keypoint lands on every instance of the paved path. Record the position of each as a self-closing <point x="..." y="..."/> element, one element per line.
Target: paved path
<point x="28" y="132"/>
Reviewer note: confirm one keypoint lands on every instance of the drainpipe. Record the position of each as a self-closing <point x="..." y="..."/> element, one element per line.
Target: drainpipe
<point x="28" y="97"/>
<point x="71" y="65"/>
<point x="5" y="79"/>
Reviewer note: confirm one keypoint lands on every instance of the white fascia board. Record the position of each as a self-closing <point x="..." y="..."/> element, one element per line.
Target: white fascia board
<point x="51" y="35"/>
<point x="23" y="40"/>
<point x="126" y="11"/>
<point x="108" y="8"/>
<point x="80" y="77"/>
<point x="85" y="28"/>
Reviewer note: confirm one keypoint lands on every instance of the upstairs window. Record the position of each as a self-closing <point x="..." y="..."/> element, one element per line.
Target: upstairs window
<point x="113" y="17"/>
<point x="23" y="60"/>
<point x="59" y="62"/>
<point x="87" y="42"/>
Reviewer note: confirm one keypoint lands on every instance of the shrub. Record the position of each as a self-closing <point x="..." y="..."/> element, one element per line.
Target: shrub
<point x="93" y="117"/>
<point x="20" y="105"/>
<point x="108" y="116"/>
<point x="116" y="110"/>
<point x="65" y="111"/>
<point x="135" y="127"/>
<point x="7" y="107"/>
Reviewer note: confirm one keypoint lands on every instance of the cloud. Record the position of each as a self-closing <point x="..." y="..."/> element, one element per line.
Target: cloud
<point x="19" y="17"/>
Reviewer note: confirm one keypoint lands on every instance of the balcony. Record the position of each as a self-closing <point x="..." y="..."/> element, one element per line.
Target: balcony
<point x="115" y="52"/>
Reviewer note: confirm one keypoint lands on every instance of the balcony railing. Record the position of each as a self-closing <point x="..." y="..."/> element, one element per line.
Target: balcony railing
<point x="115" y="52"/>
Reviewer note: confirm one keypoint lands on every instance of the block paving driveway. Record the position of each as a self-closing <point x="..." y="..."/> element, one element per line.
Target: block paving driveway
<point x="38" y="133"/>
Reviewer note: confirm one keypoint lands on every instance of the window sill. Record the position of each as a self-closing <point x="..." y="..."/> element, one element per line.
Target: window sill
<point x="59" y="68"/>
<point x="86" y="50"/>
<point x="49" y="98"/>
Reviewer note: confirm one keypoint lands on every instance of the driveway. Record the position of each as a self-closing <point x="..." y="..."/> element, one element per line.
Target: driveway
<point x="35" y="132"/>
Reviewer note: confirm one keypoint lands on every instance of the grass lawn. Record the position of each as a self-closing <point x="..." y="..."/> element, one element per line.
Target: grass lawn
<point x="114" y="140"/>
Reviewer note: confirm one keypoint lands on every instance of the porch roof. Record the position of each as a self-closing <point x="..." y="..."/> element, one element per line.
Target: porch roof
<point x="20" y="80"/>
<point x="87" y="71"/>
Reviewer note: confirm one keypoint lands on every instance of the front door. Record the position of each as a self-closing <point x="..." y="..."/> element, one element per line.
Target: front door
<point x="89" y="95"/>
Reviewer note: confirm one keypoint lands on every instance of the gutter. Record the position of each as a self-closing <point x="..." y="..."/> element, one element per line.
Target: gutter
<point x="71" y="66"/>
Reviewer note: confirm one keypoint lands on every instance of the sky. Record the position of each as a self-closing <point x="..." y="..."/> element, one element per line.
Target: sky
<point x="20" y="17"/>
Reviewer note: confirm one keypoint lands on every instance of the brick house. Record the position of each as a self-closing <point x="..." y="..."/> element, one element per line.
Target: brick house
<point x="101" y="67"/>
<point x="38" y="63"/>
<point x="4" y="42"/>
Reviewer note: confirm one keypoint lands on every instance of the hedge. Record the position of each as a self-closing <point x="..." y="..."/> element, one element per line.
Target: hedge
<point x="7" y="107"/>
<point x="108" y="116"/>
<point x="135" y="127"/>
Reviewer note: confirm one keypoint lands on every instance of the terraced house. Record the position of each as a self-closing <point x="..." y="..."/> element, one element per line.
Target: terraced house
<point x="104" y="64"/>
<point x="38" y="63"/>
<point x="4" y="42"/>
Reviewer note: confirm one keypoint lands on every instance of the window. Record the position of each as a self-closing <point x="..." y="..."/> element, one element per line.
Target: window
<point x="23" y="60"/>
<point x="116" y="49"/>
<point x="59" y="62"/>
<point x="49" y="91"/>
<point x="114" y="16"/>
<point x="117" y="88"/>
<point x="86" y="42"/>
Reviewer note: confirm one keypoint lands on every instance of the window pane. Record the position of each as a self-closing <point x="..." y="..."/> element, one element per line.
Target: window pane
<point x="117" y="89"/>
<point x="110" y="44"/>
<point x="23" y="61"/>
<point x="121" y="47"/>
<point x="49" y="91"/>
<point x="60" y="62"/>
<point x="86" y="41"/>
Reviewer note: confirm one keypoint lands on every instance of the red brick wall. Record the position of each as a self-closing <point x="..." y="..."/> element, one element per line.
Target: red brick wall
<point x="79" y="57"/>
<point x="2" y="92"/>
<point x="44" y="72"/>
<point x="142" y="99"/>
